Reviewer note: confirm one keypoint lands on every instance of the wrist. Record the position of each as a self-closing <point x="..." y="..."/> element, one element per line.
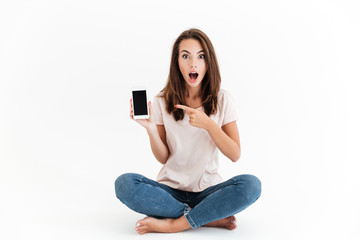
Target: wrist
<point x="211" y="125"/>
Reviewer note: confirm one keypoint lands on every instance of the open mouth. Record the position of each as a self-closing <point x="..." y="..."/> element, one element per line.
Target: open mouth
<point x="193" y="76"/>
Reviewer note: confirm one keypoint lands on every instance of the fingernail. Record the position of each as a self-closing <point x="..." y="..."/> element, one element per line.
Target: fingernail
<point x="138" y="225"/>
<point x="176" y="106"/>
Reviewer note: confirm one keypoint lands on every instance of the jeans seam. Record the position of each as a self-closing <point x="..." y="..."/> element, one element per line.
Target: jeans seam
<point x="186" y="209"/>
<point x="190" y="221"/>
<point x="234" y="181"/>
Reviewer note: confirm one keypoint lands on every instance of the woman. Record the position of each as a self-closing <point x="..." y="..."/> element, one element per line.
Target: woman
<point x="191" y="118"/>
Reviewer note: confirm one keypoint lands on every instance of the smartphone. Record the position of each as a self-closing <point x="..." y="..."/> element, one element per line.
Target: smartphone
<point x="140" y="103"/>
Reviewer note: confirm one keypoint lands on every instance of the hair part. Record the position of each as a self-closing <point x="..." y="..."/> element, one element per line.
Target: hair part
<point x="174" y="91"/>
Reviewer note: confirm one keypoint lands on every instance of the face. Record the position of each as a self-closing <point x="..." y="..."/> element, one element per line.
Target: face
<point x="192" y="62"/>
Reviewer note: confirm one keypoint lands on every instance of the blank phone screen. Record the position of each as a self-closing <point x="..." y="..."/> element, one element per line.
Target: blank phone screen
<point x="140" y="102"/>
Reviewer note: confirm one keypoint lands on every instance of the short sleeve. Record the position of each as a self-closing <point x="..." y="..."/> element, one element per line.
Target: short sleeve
<point x="156" y="111"/>
<point x="230" y="113"/>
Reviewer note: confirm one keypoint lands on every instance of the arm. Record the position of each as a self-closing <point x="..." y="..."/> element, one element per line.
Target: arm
<point x="157" y="136"/>
<point x="226" y="139"/>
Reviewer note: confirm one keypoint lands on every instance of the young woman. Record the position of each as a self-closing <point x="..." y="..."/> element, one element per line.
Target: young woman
<point x="191" y="118"/>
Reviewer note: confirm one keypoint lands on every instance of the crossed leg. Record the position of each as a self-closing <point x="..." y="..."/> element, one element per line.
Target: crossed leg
<point x="169" y="225"/>
<point x="238" y="193"/>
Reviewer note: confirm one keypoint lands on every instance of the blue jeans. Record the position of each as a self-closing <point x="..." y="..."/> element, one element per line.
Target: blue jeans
<point x="157" y="200"/>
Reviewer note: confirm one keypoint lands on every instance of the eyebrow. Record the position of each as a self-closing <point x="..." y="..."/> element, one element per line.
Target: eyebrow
<point x="190" y="53"/>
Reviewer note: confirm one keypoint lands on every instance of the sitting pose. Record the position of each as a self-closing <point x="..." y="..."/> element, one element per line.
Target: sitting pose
<point x="190" y="120"/>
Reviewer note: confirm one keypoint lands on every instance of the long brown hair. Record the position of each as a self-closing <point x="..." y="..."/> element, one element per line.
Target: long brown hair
<point x="174" y="91"/>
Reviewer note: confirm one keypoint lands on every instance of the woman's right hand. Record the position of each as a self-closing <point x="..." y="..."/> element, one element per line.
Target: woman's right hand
<point x="146" y="123"/>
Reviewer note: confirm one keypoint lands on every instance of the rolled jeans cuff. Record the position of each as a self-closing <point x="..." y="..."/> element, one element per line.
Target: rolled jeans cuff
<point x="189" y="219"/>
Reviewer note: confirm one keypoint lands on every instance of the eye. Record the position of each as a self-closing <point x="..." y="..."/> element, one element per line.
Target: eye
<point x="202" y="56"/>
<point x="185" y="56"/>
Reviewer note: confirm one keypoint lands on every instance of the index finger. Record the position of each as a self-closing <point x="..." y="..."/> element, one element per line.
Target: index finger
<point x="186" y="108"/>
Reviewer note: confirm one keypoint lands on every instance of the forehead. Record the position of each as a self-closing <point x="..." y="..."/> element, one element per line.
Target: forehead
<point x="191" y="45"/>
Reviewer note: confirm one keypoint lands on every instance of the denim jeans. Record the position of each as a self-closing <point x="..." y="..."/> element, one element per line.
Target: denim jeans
<point x="157" y="200"/>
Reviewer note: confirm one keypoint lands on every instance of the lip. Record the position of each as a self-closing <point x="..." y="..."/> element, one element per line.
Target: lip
<point x="193" y="80"/>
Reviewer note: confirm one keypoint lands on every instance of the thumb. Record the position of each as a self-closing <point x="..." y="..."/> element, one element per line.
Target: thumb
<point x="150" y="111"/>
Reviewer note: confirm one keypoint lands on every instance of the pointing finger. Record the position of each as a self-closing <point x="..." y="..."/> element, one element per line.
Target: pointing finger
<point x="186" y="108"/>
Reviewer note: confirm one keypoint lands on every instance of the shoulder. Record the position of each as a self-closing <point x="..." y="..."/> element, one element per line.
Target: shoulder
<point x="159" y="94"/>
<point x="227" y="107"/>
<point x="224" y="96"/>
<point x="159" y="97"/>
<point x="159" y="102"/>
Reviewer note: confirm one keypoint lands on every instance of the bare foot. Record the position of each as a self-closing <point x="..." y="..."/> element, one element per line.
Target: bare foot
<point x="168" y="225"/>
<point x="229" y="223"/>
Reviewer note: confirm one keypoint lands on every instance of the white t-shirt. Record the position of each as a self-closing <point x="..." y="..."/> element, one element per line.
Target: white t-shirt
<point x="193" y="161"/>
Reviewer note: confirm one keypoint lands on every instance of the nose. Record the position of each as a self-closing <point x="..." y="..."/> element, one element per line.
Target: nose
<point x="193" y="63"/>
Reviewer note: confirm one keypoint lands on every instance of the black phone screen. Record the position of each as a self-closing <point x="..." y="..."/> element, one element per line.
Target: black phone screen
<point x="140" y="102"/>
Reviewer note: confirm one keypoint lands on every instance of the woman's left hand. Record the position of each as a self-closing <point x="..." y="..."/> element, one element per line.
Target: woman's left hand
<point x="197" y="118"/>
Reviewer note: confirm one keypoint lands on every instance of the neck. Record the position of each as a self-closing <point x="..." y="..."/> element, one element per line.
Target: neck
<point x="193" y="93"/>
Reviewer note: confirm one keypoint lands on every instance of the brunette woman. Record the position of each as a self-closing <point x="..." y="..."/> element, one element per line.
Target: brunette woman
<point x="191" y="119"/>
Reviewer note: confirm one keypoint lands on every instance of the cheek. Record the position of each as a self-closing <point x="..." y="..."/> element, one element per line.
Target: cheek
<point x="182" y="69"/>
<point x="181" y="65"/>
<point x="202" y="63"/>
<point x="204" y="66"/>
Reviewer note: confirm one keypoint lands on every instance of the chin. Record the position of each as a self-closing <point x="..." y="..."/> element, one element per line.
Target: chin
<point x="193" y="85"/>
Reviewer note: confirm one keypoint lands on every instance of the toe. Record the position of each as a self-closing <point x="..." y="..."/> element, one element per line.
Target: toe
<point x="231" y="226"/>
<point x="232" y="219"/>
<point x="141" y="230"/>
<point x="138" y="226"/>
<point x="138" y="223"/>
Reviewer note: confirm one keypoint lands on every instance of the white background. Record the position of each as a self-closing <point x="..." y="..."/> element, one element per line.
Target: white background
<point x="66" y="70"/>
